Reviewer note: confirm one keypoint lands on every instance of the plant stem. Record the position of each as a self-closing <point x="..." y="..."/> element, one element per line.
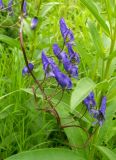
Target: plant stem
<point x="31" y="73"/>
<point x="93" y="142"/>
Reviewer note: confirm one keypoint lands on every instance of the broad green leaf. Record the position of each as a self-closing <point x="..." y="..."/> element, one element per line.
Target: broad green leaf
<point x="47" y="154"/>
<point x="29" y="91"/>
<point x="47" y="7"/>
<point x="82" y="89"/>
<point x="107" y="152"/>
<point x="92" y="8"/>
<point x="12" y="42"/>
<point x="76" y="136"/>
<point x="96" y="39"/>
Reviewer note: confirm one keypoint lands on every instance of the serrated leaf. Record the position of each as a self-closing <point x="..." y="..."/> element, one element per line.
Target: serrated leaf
<point x="47" y="154"/>
<point x="92" y="8"/>
<point x="82" y="89"/>
<point x="107" y="152"/>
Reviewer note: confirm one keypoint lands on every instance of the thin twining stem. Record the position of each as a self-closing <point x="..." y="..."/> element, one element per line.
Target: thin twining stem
<point x="26" y="62"/>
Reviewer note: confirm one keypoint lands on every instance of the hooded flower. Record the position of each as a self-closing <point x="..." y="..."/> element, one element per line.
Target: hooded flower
<point x="74" y="57"/>
<point x="10" y="7"/>
<point x="48" y="64"/>
<point x="25" y="8"/>
<point x="66" y="32"/>
<point x="34" y="22"/>
<point x="58" y="53"/>
<point x="25" y="69"/>
<point x="89" y="101"/>
<point x="1" y="5"/>
<point x="63" y="80"/>
<point x="100" y="114"/>
<point x="70" y="68"/>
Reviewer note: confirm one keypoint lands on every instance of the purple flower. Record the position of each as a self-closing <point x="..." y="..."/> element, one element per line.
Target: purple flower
<point x="25" y="69"/>
<point x="58" y="53"/>
<point x="66" y="32"/>
<point x="89" y="101"/>
<point x="1" y="4"/>
<point x="10" y="7"/>
<point x="63" y="80"/>
<point x="34" y="22"/>
<point x="25" y="8"/>
<point x="74" y="57"/>
<point x="100" y="114"/>
<point x="70" y="68"/>
<point x="47" y="65"/>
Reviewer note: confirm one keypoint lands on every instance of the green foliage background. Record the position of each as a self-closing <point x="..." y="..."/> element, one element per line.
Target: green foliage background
<point x="22" y="127"/>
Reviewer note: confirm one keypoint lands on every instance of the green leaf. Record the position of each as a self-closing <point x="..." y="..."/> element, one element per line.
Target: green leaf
<point x="12" y="42"/>
<point x="76" y="136"/>
<point x="92" y="8"/>
<point x="30" y="91"/>
<point x="96" y="39"/>
<point x="83" y="88"/>
<point x="47" y="7"/>
<point x="47" y="154"/>
<point x="107" y="152"/>
<point x="8" y="94"/>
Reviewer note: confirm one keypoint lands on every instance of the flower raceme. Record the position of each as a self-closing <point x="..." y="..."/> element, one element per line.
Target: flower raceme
<point x="71" y="69"/>
<point x="99" y="115"/>
<point x="52" y="70"/>
<point x="90" y="103"/>
<point x="66" y="32"/>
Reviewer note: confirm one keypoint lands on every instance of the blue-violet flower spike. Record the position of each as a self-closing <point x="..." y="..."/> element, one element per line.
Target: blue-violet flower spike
<point x="25" y="8"/>
<point x="100" y="114"/>
<point x="1" y="5"/>
<point x="66" y="32"/>
<point x="58" y="53"/>
<point x="63" y="80"/>
<point x="89" y="101"/>
<point x="34" y="22"/>
<point x="48" y="64"/>
<point x="25" y="69"/>
<point x="74" y="57"/>
<point x="70" y="68"/>
<point x="10" y="7"/>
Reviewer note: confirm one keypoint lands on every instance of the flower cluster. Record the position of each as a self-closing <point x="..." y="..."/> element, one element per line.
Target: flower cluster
<point x="90" y="103"/>
<point x="69" y="60"/>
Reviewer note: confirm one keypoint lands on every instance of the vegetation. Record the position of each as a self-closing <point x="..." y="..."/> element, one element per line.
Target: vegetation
<point x="71" y="114"/>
